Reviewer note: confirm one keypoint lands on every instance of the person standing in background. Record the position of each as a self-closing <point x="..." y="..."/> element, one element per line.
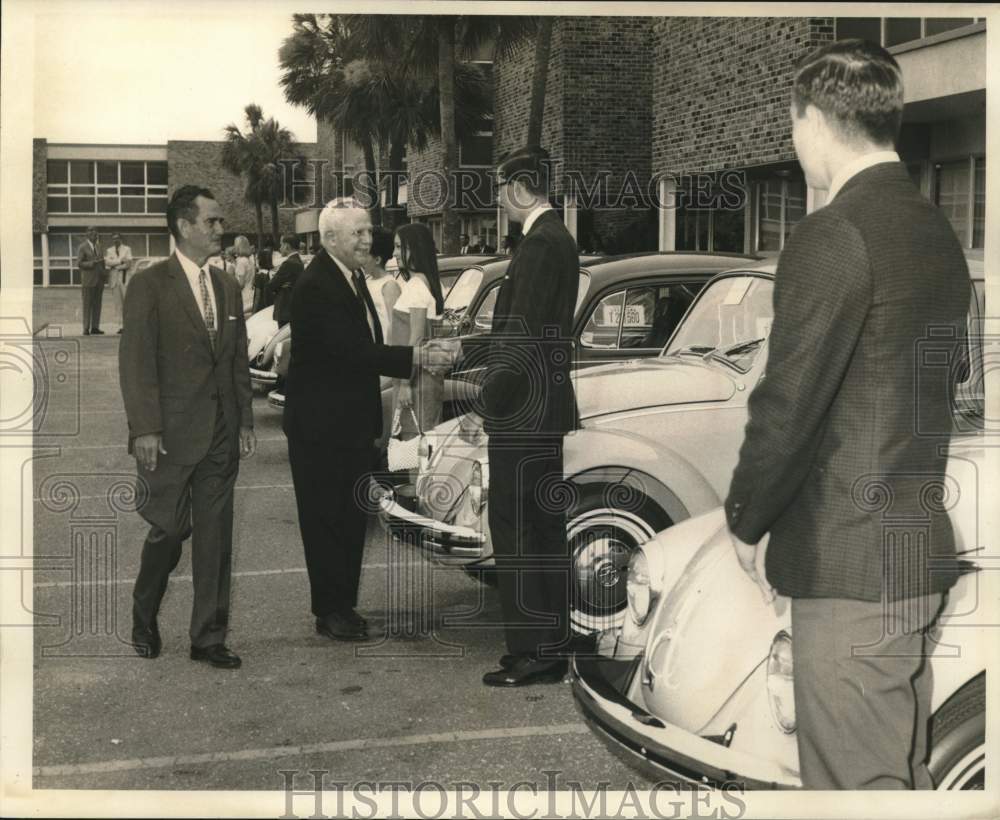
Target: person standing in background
<point x="118" y="261"/>
<point x="93" y="275"/>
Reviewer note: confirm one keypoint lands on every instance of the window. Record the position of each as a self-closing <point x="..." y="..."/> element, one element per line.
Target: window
<point x="602" y="327"/>
<point x="464" y="290"/>
<point x="64" y="244"/>
<point x="106" y="187"/>
<point x="960" y="191"/>
<point x="893" y="31"/>
<point x="650" y="315"/>
<point x="476" y="150"/>
<point x="484" y="316"/>
<point x="781" y="203"/>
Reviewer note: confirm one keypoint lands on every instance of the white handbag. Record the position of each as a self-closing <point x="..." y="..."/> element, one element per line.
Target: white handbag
<point x="403" y="455"/>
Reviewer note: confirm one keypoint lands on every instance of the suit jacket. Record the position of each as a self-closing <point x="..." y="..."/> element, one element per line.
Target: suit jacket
<point x="332" y="388"/>
<point x="526" y="386"/>
<point x="90" y="261"/>
<point x="832" y="454"/>
<point x="279" y="289"/>
<point x="172" y="378"/>
<point x="120" y="257"/>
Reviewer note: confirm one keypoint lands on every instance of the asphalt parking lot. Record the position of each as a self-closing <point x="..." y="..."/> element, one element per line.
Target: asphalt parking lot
<point x="408" y="707"/>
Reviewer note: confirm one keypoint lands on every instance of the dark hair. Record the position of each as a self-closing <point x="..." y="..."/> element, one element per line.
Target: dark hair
<point x="182" y="206"/>
<point x="857" y="85"/>
<point x="291" y="240"/>
<point x="418" y="256"/>
<point x="382" y="245"/>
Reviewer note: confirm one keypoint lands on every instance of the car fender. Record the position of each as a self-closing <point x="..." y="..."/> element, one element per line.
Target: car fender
<point x="592" y="456"/>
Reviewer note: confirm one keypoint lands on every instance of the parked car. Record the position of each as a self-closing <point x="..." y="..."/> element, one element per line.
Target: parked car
<point x="658" y="442"/>
<point x="264" y="371"/>
<point x="696" y="685"/>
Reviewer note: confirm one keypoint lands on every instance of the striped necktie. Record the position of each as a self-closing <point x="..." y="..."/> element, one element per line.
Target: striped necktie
<point x="206" y="300"/>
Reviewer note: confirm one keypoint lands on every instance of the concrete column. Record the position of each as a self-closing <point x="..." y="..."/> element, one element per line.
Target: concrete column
<point x="45" y="258"/>
<point x="502" y="225"/>
<point x="668" y="215"/>
<point x="569" y="214"/>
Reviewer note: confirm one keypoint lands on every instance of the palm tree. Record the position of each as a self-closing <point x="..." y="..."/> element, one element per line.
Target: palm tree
<point x="539" y="80"/>
<point x="256" y="156"/>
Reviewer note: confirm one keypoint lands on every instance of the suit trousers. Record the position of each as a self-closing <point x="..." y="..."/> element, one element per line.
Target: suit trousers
<point x="527" y="517"/>
<point x="863" y="687"/>
<point x="92" y="298"/>
<point x="331" y="488"/>
<point x="179" y="493"/>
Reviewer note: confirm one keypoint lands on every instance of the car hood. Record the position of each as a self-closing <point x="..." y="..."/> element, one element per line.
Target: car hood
<point x="649" y="383"/>
<point x="710" y="632"/>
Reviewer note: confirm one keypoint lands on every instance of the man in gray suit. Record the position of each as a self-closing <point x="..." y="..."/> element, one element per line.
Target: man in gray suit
<point x="93" y="275"/>
<point x="185" y="381"/>
<point x="859" y="283"/>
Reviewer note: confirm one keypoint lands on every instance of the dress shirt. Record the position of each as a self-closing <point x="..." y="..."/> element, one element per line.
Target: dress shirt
<point x="533" y="216"/>
<point x="191" y="270"/>
<point x="349" y="274"/>
<point x="856" y="167"/>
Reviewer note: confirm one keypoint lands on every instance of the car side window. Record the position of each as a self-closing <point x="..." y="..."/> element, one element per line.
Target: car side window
<point x="601" y="330"/>
<point x="652" y="313"/>
<point x="484" y="315"/>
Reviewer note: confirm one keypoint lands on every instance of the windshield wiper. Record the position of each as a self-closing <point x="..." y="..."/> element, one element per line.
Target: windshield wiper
<point x="743" y="347"/>
<point x="692" y="350"/>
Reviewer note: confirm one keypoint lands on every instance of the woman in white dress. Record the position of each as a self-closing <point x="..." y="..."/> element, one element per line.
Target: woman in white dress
<point x="245" y="270"/>
<point x="420" y="300"/>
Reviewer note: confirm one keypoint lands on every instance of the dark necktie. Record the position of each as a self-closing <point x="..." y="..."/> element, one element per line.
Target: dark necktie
<point x="366" y="298"/>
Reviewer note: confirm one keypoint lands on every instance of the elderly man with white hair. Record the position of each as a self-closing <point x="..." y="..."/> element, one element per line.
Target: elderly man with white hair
<point x="333" y="410"/>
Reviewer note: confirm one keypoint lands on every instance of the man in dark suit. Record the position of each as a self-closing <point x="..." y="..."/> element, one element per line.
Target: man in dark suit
<point x="185" y="381"/>
<point x="279" y="289"/>
<point x="832" y="430"/>
<point x="93" y="275"/>
<point x="527" y="405"/>
<point x="333" y="411"/>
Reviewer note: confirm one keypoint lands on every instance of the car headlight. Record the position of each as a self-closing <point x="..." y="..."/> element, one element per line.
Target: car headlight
<point x="478" y="486"/>
<point x="639" y="588"/>
<point x="780" y="692"/>
<point x="424" y="454"/>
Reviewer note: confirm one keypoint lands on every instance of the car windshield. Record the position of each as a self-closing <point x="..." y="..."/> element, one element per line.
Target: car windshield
<point x="728" y="323"/>
<point x="464" y="289"/>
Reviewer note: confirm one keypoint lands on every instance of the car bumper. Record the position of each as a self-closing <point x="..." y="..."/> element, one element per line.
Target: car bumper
<point x="262" y="379"/>
<point x="659" y="750"/>
<point x="276" y="400"/>
<point x="448" y="542"/>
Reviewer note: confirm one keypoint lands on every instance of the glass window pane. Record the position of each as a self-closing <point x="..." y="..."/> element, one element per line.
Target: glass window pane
<point x="133" y="190"/>
<point x="133" y="173"/>
<point x="58" y="204"/>
<point x="136" y="243"/>
<point x="133" y="205"/>
<point x="979" y="214"/>
<point x="156" y="205"/>
<point x="159" y="244"/>
<point x="640" y="305"/>
<point x="769" y="215"/>
<point x="59" y="244"/>
<point x="601" y="329"/>
<point x="81" y="171"/>
<point x="107" y="190"/>
<point x="864" y="28"/>
<point x="39" y="276"/>
<point x="36" y="244"/>
<point x="156" y="173"/>
<point x="795" y="203"/>
<point x="464" y="289"/>
<point x="901" y="30"/>
<point x="484" y="316"/>
<point x="59" y="276"/>
<point x="936" y="25"/>
<point x="107" y="204"/>
<point x="952" y="195"/>
<point x="81" y="190"/>
<point x="728" y="229"/>
<point x="82" y="205"/>
<point x="476" y="150"/>
<point x="57" y="171"/>
<point x="107" y="172"/>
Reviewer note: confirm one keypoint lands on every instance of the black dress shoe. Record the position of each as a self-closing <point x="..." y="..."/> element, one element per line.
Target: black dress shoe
<point x="146" y="642"/>
<point x="355" y="618"/>
<point x="527" y="671"/>
<point x="86" y="333"/>
<point x="97" y="333"/>
<point x="340" y="627"/>
<point x="218" y="655"/>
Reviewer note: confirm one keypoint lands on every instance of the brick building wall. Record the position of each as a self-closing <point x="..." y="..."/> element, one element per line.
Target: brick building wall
<point x="731" y="112"/>
<point x="198" y="162"/>
<point x="39" y="185"/>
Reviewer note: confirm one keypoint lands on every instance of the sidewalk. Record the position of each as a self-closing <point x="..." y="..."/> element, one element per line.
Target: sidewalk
<point x="62" y="308"/>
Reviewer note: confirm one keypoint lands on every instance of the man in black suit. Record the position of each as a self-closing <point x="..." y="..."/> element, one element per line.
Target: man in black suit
<point x="186" y="386"/>
<point x="279" y="288"/>
<point x="333" y="411"/>
<point x="832" y="430"/>
<point x="527" y="405"/>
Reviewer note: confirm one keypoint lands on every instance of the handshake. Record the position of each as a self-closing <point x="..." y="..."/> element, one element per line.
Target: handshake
<point x="438" y="356"/>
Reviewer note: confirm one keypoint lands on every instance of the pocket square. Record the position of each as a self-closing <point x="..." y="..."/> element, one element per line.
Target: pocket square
<point x="232" y="318"/>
